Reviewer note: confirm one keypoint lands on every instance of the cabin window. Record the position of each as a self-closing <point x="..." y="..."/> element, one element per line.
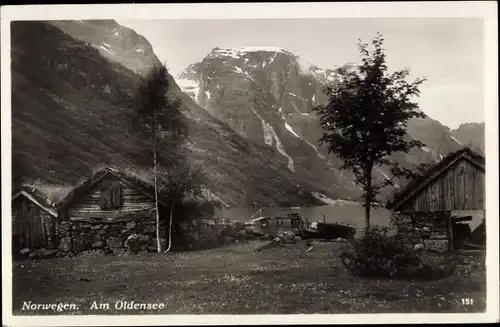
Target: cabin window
<point x="110" y="195"/>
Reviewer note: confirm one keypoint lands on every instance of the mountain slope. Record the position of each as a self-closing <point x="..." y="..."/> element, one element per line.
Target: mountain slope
<point x="71" y="114"/>
<point x="267" y="94"/>
<point x="471" y="135"/>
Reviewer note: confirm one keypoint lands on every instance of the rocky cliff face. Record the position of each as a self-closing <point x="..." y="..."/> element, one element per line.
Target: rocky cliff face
<point x="267" y="94"/>
<point x="471" y="135"/>
<point x="72" y="83"/>
<point x="114" y="42"/>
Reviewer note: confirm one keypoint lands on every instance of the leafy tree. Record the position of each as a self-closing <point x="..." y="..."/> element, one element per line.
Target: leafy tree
<point x="366" y="117"/>
<point x="161" y="123"/>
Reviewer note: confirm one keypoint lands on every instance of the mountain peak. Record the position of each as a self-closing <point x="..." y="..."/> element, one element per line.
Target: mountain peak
<point x="238" y="51"/>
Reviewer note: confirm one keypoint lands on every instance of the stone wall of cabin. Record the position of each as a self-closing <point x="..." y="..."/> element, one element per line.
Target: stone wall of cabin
<point x="430" y="229"/>
<point x="86" y="226"/>
<point x="78" y="236"/>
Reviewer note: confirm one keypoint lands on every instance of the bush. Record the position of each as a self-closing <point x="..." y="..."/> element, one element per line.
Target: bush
<point x="377" y="254"/>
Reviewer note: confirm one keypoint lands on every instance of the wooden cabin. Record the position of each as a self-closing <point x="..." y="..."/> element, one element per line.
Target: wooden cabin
<point x="453" y="187"/>
<point x="107" y="208"/>
<point x="34" y="220"/>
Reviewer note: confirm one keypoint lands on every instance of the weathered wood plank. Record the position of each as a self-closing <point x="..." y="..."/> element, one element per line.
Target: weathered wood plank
<point x="459" y="188"/>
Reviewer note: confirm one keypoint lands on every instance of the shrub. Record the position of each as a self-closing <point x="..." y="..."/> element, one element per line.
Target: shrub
<point x="377" y="254"/>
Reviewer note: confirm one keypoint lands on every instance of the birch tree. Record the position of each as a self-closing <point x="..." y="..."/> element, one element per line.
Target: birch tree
<point x="183" y="179"/>
<point x="161" y="124"/>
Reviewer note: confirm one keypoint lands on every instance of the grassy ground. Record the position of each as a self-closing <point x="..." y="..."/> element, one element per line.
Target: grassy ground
<point x="237" y="280"/>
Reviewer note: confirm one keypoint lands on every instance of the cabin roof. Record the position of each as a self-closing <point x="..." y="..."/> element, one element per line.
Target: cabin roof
<point x="143" y="186"/>
<point x="415" y="186"/>
<point x="37" y="197"/>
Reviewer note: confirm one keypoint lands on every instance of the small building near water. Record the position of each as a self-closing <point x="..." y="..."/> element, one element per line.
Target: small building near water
<point x="105" y="210"/>
<point x="34" y="220"/>
<point x="112" y="210"/>
<point x="449" y="192"/>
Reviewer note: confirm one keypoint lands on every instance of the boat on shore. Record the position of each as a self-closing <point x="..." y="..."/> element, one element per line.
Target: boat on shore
<point x="328" y="231"/>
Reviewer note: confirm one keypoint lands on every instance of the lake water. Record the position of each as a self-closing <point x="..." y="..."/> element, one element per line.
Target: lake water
<point x="350" y="213"/>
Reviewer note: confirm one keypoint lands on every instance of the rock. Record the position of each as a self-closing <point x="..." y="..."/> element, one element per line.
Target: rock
<point x="98" y="245"/>
<point x="114" y="242"/>
<point x="25" y="251"/>
<point x="273" y="243"/>
<point x="43" y="253"/>
<point x="66" y="244"/>
<point x="96" y="227"/>
<point x="82" y="243"/>
<point x="101" y="232"/>
<point x="131" y="225"/>
<point x="242" y="233"/>
<point x="419" y="247"/>
<point x="132" y="243"/>
<point x="99" y="252"/>
<point x="46" y="253"/>
<point x="436" y="245"/>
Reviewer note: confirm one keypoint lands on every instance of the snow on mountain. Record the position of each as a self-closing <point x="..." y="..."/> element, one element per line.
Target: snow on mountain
<point x="455" y="139"/>
<point x="90" y="90"/>
<point x="270" y="136"/>
<point x="236" y="53"/>
<point x="266" y="94"/>
<point x="190" y="87"/>
<point x="472" y="135"/>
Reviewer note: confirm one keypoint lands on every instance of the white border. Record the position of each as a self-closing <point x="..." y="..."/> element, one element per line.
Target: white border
<point x="485" y="9"/>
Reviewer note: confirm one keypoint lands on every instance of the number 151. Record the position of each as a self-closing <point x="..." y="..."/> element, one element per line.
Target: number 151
<point x="467" y="301"/>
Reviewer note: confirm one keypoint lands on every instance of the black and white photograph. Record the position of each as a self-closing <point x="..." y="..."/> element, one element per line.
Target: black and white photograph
<point x="250" y="163"/>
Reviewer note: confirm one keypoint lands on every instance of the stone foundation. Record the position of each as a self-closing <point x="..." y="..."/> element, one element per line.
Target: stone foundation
<point x="427" y="230"/>
<point x="112" y="238"/>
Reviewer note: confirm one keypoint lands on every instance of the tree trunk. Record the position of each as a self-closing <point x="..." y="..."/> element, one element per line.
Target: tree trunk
<point x="367" y="215"/>
<point x="158" y="242"/>
<point x="368" y="198"/>
<point x="170" y="228"/>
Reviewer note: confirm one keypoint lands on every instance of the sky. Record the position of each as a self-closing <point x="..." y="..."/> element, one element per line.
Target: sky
<point x="447" y="51"/>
